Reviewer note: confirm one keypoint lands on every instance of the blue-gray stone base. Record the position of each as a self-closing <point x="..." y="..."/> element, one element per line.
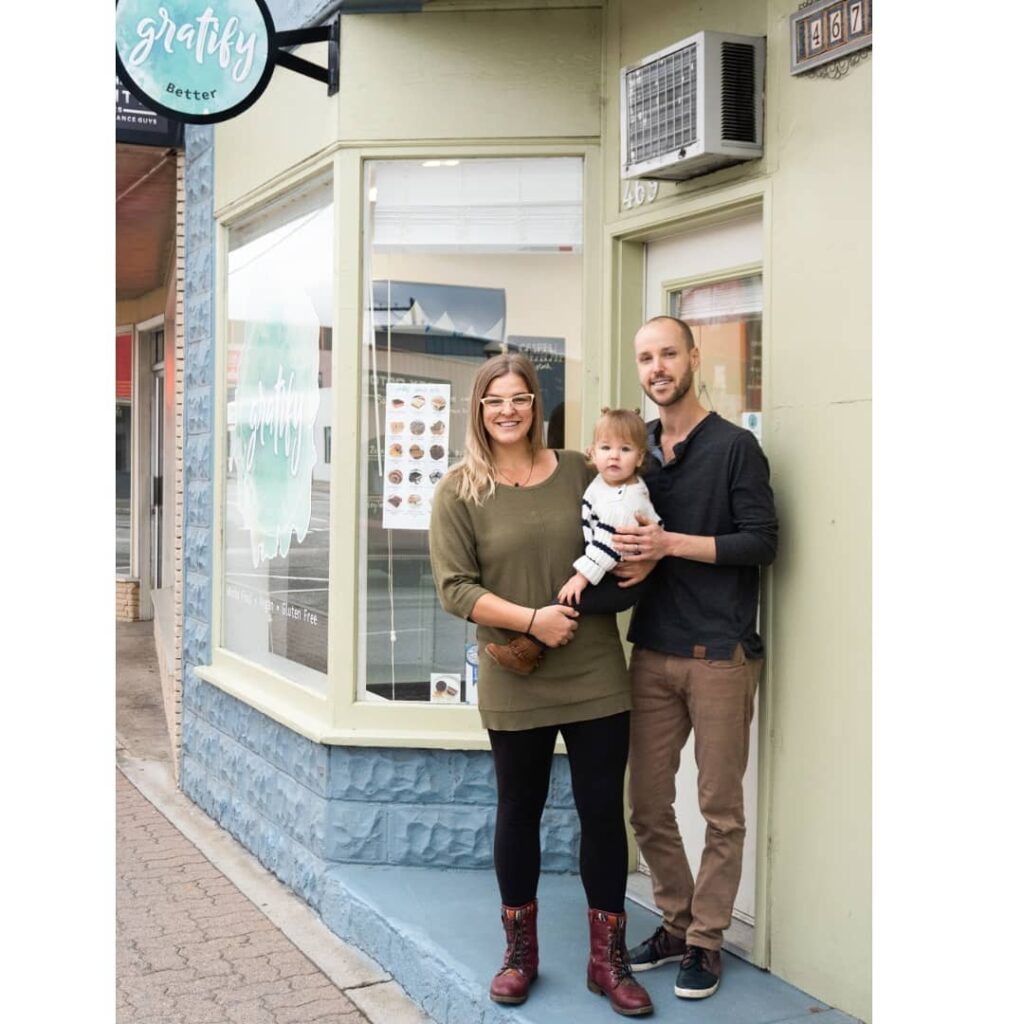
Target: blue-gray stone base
<point x="301" y="806"/>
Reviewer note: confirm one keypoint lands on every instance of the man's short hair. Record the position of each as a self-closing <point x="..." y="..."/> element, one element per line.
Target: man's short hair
<point x="684" y="327"/>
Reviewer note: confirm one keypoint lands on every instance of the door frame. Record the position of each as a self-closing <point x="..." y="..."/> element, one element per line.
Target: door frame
<point x="142" y="445"/>
<point x="622" y="313"/>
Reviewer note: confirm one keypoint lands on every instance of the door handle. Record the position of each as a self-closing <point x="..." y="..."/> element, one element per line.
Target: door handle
<point x="157" y="499"/>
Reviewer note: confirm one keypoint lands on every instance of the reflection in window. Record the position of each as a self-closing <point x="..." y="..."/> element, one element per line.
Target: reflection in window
<point x="465" y="259"/>
<point x="123" y="454"/>
<point x="277" y="499"/>
<point x="725" y="318"/>
<point x="123" y="491"/>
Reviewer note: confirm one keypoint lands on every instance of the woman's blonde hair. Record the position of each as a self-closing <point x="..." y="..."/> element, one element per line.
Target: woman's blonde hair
<point x="623" y="425"/>
<point x="475" y="476"/>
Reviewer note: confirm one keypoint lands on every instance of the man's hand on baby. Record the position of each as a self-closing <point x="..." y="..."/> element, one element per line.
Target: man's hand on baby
<point x="572" y="589"/>
<point x="641" y="543"/>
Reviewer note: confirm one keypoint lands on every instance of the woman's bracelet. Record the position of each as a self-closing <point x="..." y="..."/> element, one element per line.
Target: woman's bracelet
<point x="529" y="628"/>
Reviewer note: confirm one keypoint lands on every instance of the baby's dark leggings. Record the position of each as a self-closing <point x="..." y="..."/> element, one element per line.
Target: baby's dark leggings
<point x="607" y="596"/>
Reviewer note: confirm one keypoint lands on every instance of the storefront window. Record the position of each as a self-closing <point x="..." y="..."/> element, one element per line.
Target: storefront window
<point x="725" y="318"/>
<point x="276" y="495"/>
<point x="465" y="259"/>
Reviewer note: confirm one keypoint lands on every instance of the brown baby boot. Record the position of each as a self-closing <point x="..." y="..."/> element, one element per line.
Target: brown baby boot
<point x="522" y="654"/>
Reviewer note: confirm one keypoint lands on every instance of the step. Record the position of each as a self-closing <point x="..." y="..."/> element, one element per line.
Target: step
<point x="438" y="933"/>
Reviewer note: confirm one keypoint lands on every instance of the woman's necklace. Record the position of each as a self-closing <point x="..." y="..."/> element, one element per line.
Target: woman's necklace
<point x="516" y="483"/>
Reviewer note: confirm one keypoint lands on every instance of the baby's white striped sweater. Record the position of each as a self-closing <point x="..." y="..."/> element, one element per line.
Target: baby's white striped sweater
<point x="604" y="508"/>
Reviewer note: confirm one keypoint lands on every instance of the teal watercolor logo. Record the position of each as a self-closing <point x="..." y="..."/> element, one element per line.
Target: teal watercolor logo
<point x="196" y="60"/>
<point x="274" y="448"/>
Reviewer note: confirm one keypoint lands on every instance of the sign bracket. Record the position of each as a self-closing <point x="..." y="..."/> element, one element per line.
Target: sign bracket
<point x="330" y="34"/>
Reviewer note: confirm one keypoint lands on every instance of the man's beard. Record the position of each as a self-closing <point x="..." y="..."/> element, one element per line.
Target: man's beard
<point x="677" y="395"/>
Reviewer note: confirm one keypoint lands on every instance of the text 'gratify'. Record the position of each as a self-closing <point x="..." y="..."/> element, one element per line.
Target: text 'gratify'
<point x="205" y="38"/>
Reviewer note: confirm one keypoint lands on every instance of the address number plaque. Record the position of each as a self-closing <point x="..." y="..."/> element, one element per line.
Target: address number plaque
<point x="828" y="30"/>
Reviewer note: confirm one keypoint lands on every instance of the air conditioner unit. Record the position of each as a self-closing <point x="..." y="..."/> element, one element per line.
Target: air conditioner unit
<point x="693" y="107"/>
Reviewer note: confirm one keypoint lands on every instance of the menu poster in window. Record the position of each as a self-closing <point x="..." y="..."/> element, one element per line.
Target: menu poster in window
<point x="417" y="420"/>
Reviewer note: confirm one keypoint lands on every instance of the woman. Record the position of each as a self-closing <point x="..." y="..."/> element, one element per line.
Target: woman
<point x="504" y="533"/>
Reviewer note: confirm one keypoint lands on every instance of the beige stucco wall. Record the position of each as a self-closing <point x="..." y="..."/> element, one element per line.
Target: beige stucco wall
<point x="815" y="175"/>
<point x="820" y="373"/>
<point x="461" y="76"/>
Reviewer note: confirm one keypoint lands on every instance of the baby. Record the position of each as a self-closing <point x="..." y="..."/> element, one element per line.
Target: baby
<point x="616" y="497"/>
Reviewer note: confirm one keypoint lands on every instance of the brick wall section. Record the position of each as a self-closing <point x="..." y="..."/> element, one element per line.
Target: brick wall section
<point x="172" y="700"/>
<point x="127" y="600"/>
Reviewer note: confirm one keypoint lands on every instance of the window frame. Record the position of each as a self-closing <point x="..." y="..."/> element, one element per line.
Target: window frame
<point x="338" y="716"/>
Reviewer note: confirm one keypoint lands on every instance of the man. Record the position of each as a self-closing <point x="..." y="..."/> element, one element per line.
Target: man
<point x="697" y="656"/>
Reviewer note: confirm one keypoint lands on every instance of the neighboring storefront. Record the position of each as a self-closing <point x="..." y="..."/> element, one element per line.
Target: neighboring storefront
<point x="349" y="261"/>
<point x="149" y="338"/>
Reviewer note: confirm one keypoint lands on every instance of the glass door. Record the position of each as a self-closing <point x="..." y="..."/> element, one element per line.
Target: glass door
<point x="712" y="279"/>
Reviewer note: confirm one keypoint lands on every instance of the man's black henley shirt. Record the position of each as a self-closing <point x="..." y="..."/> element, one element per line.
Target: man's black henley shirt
<point x="715" y="485"/>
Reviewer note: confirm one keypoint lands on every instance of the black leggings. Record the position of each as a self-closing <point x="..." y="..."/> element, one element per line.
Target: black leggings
<point x="597" y="750"/>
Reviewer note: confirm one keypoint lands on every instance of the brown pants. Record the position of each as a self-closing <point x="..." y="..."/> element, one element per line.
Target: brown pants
<point x="673" y="696"/>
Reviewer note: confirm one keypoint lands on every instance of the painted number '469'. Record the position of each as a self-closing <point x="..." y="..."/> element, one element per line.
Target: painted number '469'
<point x="637" y="193"/>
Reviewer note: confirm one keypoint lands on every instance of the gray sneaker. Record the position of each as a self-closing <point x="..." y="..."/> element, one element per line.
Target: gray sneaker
<point x="699" y="973"/>
<point x="661" y="948"/>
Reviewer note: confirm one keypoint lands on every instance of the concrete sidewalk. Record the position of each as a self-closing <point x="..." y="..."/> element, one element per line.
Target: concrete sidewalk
<point x="205" y="935"/>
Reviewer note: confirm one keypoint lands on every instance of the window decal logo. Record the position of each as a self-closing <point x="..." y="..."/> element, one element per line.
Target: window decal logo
<point x="274" y="447"/>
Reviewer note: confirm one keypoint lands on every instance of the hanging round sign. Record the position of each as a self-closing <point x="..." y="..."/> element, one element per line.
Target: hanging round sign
<point x="197" y="61"/>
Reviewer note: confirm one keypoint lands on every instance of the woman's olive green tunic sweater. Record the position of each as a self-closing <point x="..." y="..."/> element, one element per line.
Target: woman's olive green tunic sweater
<point x="520" y="545"/>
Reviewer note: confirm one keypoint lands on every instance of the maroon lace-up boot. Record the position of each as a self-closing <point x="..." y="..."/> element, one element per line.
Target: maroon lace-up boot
<point x="512" y="983"/>
<point x="608" y="971"/>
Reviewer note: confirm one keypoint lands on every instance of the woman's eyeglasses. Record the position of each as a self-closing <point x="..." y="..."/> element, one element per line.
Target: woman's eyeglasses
<point x="521" y="402"/>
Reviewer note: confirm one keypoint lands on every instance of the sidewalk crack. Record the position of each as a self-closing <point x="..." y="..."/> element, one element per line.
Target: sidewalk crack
<point x="368" y="984"/>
